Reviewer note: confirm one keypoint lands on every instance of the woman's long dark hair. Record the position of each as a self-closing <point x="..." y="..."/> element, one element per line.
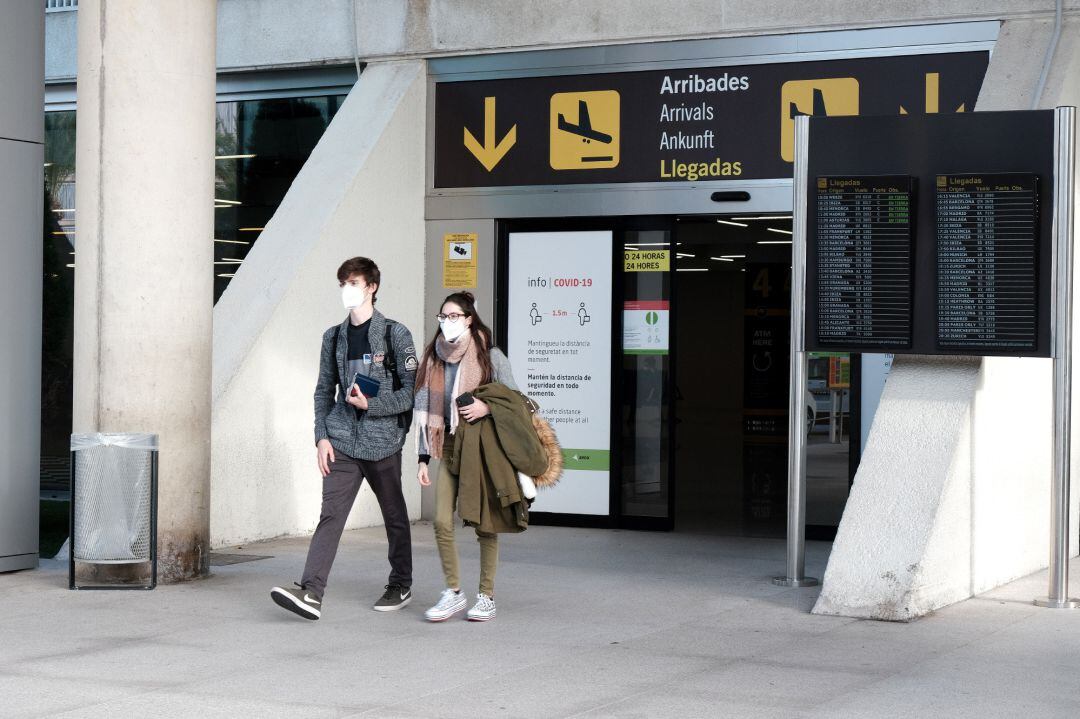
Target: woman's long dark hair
<point x="480" y="333"/>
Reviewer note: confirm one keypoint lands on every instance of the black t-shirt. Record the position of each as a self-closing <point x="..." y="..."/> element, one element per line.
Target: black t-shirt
<point x="359" y="350"/>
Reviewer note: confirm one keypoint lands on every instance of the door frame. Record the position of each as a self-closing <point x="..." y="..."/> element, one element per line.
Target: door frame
<point x="619" y="226"/>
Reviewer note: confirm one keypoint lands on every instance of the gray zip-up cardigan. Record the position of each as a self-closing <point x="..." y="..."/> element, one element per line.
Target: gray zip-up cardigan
<point x="375" y="433"/>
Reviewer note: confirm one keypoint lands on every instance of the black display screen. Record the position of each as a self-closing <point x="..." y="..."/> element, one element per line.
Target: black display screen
<point x="924" y="234"/>
<point x="863" y="253"/>
<point x="987" y="260"/>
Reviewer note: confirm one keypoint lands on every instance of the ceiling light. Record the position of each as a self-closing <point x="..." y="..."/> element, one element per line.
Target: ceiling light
<point x="250" y="229"/>
<point x="72" y="209"/>
<point x="778" y="230"/>
<point x="227" y="262"/>
<point x="63" y="232"/>
<point x="48" y="164"/>
<point x="233" y="157"/>
<point x="691" y="269"/>
<point x="774" y="242"/>
<point x="233" y="242"/>
<point x="71" y="266"/>
<point x="733" y="257"/>
<point x="722" y="259"/>
<point x="736" y="224"/>
<point x="226" y="274"/>
<point x="653" y="244"/>
<point x="683" y="254"/>
<point x="227" y="202"/>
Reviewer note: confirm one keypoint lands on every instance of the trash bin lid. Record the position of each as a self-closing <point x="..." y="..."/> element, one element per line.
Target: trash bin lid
<point x="126" y="440"/>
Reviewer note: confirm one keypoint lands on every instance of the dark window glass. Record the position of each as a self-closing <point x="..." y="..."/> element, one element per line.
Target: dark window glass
<point x="58" y="250"/>
<point x="261" y="146"/>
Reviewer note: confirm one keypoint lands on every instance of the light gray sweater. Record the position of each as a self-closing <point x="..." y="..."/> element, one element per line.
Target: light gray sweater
<point x="500" y="365"/>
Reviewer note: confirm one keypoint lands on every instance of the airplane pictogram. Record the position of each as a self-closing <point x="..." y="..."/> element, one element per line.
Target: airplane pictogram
<point x="831" y="96"/>
<point x="584" y="130"/>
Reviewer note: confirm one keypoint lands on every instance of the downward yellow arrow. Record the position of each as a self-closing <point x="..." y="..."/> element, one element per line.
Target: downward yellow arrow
<point x="489" y="154"/>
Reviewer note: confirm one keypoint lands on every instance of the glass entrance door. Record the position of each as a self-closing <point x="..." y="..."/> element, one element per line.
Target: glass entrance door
<point x="672" y="336"/>
<point x="647" y="423"/>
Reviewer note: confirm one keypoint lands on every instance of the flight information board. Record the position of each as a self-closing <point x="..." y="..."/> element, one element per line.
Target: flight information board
<point x="930" y="234"/>
<point x="987" y="261"/>
<point x="863" y="254"/>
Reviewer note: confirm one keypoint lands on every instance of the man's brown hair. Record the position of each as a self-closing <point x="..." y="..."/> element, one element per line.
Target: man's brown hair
<point x="360" y="266"/>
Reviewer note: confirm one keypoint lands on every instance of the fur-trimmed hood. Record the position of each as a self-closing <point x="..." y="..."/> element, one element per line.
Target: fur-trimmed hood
<point x="546" y="433"/>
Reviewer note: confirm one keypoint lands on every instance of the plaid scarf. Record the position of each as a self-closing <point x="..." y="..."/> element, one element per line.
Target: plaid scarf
<point x="431" y="396"/>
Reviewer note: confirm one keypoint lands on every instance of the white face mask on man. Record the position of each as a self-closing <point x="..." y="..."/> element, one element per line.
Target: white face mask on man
<point x="452" y="330"/>
<point x="352" y="296"/>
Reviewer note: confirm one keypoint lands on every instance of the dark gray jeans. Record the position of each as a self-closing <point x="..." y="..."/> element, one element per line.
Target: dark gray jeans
<point x="339" y="493"/>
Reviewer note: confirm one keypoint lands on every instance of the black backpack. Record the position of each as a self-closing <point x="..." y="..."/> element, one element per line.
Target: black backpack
<point x="390" y="362"/>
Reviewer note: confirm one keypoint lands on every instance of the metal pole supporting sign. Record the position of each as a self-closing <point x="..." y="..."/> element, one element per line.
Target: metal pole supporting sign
<point x="796" y="496"/>
<point x="1062" y="328"/>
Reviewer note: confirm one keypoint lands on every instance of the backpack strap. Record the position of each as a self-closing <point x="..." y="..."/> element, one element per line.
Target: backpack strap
<point x="390" y="362"/>
<point x="334" y="355"/>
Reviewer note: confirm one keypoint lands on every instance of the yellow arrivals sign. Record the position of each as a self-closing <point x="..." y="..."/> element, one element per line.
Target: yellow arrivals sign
<point x="817" y="98"/>
<point x="459" y="260"/>
<point x="647" y="261"/>
<point x="584" y="130"/>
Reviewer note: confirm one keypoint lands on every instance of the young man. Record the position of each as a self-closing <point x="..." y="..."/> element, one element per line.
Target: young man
<point x="360" y="437"/>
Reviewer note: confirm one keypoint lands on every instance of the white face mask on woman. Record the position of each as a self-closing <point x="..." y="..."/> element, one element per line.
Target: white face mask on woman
<point x="452" y="330"/>
<point x="353" y="296"/>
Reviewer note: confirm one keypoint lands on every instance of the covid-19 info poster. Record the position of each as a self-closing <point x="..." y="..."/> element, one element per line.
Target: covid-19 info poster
<point x="559" y="344"/>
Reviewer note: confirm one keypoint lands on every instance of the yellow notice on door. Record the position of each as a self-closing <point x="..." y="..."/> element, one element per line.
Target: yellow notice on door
<point x="827" y="96"/>
<point x="584" y="130"/>
<point x="647" y="261"/>
<point x="459" y="260"/>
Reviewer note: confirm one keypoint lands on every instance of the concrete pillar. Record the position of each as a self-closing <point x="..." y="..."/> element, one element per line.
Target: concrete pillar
<point x="144" y="247"/>
<point x="22" y="89"/>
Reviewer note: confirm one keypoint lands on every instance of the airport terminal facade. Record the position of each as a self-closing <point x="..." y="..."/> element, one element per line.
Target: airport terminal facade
<point x="616" y="189"/>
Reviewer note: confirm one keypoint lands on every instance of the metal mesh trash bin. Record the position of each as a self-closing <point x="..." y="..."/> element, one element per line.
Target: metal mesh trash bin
<point x="113" y="503"/>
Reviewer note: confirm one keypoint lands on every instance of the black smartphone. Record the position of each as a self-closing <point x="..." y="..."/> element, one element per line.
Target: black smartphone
<point x="464" y="400"/>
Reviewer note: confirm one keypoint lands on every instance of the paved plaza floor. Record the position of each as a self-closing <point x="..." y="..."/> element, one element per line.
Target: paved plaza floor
<point x="591" y="623"/>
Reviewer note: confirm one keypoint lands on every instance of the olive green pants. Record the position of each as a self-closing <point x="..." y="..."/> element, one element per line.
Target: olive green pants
<point x="446" y="488"/>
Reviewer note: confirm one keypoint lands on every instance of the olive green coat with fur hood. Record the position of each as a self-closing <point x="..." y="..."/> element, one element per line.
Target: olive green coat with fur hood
<point x="487" y="457"/>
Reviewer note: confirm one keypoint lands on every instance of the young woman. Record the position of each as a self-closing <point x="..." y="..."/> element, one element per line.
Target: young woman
<point x="459" y="359"/>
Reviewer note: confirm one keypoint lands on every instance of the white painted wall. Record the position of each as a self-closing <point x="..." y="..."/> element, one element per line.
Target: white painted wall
<point x="953" y="494"/>
<point x="360" y="193"/>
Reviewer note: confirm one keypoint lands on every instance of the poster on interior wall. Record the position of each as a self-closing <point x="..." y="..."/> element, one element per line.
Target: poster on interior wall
<point x="559" y="344"/>
<point x="645" y="327"/>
